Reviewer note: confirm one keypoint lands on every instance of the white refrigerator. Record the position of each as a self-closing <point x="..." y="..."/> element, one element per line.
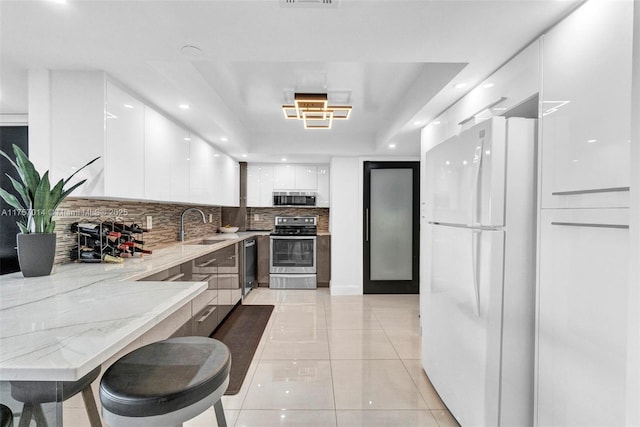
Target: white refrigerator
<point x="478" y="297"/>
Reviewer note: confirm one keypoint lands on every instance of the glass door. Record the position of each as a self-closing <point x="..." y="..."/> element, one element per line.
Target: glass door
<point x="391" y="228"/>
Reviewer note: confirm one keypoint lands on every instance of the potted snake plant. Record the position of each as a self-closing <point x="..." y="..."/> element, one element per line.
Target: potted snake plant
<point x="35" y="203"/>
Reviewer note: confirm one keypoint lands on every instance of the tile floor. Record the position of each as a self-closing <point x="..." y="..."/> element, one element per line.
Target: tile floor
<point x="334" y="361"/>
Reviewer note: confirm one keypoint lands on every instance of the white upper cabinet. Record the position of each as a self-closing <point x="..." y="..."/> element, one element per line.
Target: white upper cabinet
<point x="263" y="179"/>
<point x="306" y="177"/>
<point x="586" y="88"/>
<point x="323" y="186"/>
<point x="201" y="171"/>
<point x="295" y="177"/>
<point x="227" y="181"/>
<point x="124" y="148"/>
<point x="77" y="128"/>
<point x="143" y="154"/>
<point x="284" y="177"/>
<point x="259" y="185"/>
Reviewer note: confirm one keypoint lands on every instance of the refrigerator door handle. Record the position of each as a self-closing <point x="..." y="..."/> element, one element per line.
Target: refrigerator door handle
<point x="475" y="250"/>
<point x="475" y="193"/>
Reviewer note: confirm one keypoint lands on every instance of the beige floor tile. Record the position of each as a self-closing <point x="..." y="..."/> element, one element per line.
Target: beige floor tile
<point x="444" y="418"/>
<point x="304" y="384"/>
<point x="429" y="394"/>
<point x="374" y="384"/>
<point x="310" y="316"/>
<point x="398" y="318"/>
<point x="297" y="418"/>
<point x="360" y="344"/>
<point x="386" y="419"/>
<point x="289" y="383"/>
<point x="406" y="342"/>
<point x="208" y="418"/>
<point x="296" y="343"/>
<point x="351" y="319"/>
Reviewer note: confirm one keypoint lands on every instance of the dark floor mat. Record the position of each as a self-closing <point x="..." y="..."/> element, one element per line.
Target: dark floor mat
<point x="241" y="332"/>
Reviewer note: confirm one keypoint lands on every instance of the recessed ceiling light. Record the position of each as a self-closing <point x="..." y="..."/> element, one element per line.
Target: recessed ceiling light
<point x="487" y="85"/>
<point x="186" y="138"/>
<point x="58" y="1"/>
<point x="224" y="139"/>
<point x="459" y="85"/>
<point x="128" y="106"/>
<point x="284" y="159"/>
<point x="592" y="140"/>
<point x="392" y="145"/>
<point x="216" y="155"/>
<point x="244" y="155"/>
<point x="417" y="122"/>
<point x="184" y="106"/>
<point x="437" y="122"/>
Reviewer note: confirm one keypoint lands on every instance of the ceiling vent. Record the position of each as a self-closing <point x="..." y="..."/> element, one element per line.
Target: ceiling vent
<point x="309" y="3"/>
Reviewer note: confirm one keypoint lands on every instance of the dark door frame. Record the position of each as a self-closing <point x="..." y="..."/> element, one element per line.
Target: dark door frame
<point x="391" y="286"/>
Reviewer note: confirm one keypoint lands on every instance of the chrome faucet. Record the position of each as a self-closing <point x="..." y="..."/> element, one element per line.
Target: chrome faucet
<point x="182" y="232"/>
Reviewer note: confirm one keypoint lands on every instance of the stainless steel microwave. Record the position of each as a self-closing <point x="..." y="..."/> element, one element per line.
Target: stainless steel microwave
<point x="294" y="198"/>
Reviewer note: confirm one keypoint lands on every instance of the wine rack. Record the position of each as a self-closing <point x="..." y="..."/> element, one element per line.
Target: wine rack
<point x="110" y="241"/>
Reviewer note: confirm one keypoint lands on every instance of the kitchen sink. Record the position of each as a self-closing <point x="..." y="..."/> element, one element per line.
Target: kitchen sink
<point x="209" y="241"/>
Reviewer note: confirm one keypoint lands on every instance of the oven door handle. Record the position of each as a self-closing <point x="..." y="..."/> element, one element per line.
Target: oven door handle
<point x="293" y="237"/>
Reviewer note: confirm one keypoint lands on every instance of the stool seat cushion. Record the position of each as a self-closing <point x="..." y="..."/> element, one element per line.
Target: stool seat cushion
<point x="6" y="416"/>
<point x="165" y="376"/>
<point x="50" y="391"/>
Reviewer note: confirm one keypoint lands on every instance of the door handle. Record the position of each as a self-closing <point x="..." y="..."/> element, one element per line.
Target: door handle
<point x="366" y="227"/>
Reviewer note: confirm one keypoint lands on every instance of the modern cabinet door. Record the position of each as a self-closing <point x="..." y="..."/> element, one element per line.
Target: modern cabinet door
<point x="264" y="248"/>
<point x="582" y="317"/>
<point x="323" y="187"/>
<point x="200" y="171"/>
<point x="266" y="185"/>
<point x="586" y="89"/>
<point x="306" y="177"/>
<point x="253" y="185"/>
<point x="157" y="164"/>
<point x="284" y="177"/>
<point x="227" y="181"/>
<point x="124" y="148"/>
<point x="323" y="261"/>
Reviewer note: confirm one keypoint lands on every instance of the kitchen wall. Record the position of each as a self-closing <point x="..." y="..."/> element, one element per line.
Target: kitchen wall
<point x="166" y="221"/>
<point x="263" y="218"/>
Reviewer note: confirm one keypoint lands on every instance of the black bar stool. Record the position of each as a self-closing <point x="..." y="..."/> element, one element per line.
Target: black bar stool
<point x="34" y="393"/>
<point x="166" y="383"/>
<point x="6" y="416"/>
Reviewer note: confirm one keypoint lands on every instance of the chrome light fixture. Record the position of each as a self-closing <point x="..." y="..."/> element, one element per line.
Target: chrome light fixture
<point x="314" y="110"/>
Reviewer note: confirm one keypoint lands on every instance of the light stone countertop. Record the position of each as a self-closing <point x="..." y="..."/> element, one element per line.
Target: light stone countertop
<point x="61" y="326"/>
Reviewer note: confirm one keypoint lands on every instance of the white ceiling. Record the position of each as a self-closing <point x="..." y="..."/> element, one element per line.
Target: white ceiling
<point x="395" y="61"/>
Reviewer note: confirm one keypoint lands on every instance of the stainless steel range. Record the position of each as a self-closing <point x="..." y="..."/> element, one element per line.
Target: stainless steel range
<point x="293" y="253"/>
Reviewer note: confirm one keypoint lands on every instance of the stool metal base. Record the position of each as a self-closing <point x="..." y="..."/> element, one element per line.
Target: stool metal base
<point x="175" y="418"/>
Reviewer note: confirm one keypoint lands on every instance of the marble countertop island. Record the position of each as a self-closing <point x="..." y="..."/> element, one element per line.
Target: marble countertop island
<point x="60" y="327"/>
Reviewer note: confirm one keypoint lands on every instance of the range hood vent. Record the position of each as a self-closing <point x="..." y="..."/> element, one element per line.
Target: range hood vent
<point x="309" y="3"/>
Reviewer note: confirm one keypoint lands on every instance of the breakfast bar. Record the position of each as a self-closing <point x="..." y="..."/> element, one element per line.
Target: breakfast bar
<point x="62" y="326"/>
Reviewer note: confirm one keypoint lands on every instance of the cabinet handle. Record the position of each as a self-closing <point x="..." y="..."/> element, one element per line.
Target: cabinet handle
<point x="206" y="263"/>
<point x="595" y="190"/>
<point x="174" y="277"/>
<point x="206" y="314"/>
<point x="582" y="224"/>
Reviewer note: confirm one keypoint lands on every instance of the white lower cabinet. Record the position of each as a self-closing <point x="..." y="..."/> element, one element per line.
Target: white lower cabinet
<point x="581" y="373"/>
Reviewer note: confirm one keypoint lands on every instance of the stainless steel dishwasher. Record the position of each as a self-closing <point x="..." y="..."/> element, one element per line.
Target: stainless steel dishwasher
<point x="250" y="265"/>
